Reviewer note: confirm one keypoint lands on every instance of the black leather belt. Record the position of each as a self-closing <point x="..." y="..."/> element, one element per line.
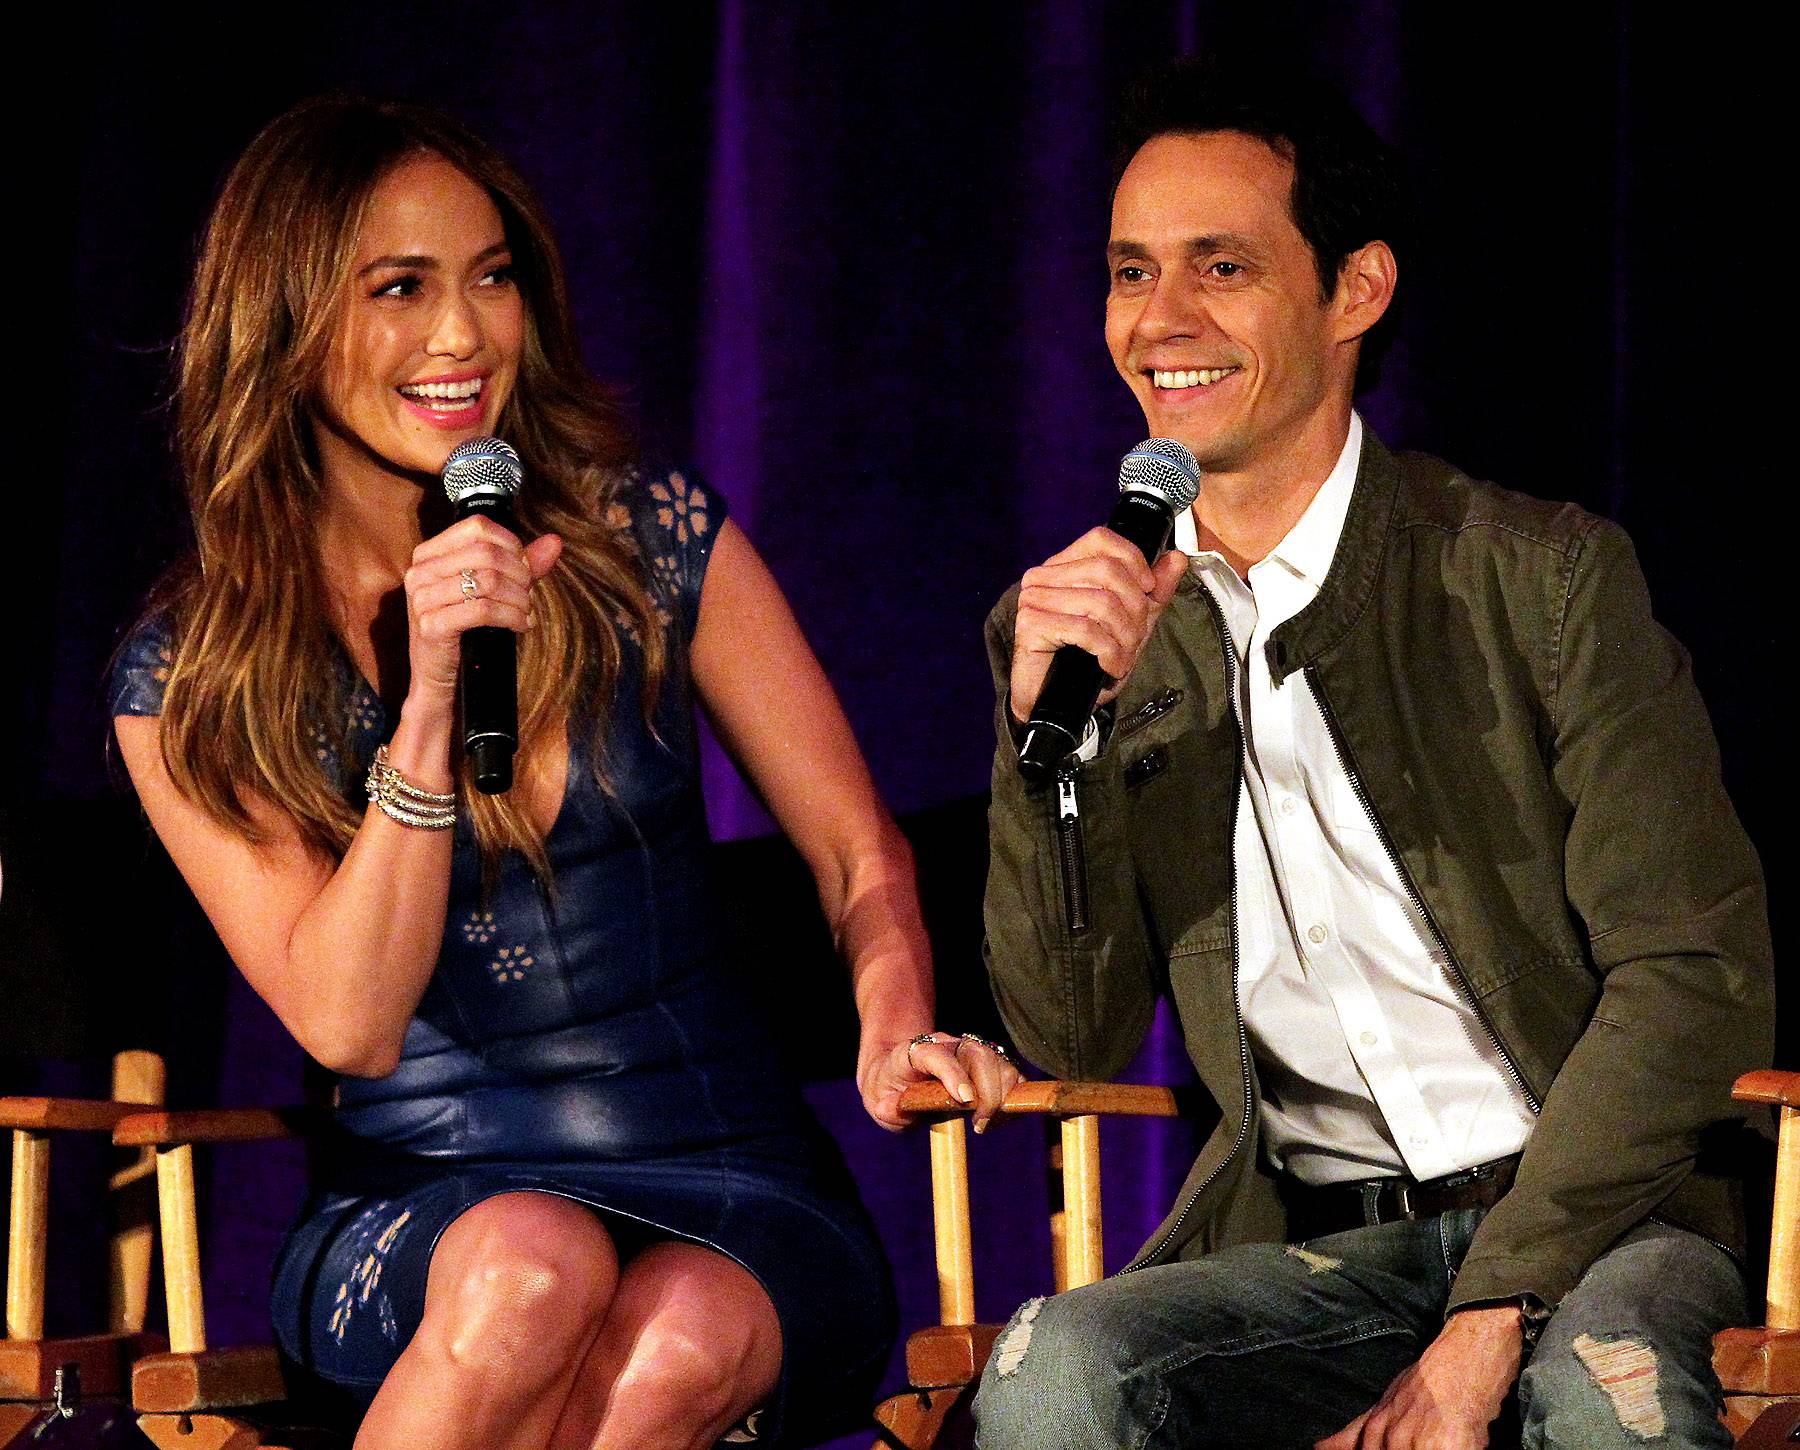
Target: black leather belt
<point x="1315" y="1210"/>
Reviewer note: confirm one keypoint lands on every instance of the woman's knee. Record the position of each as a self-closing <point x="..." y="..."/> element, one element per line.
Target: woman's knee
<point x="691" y="1338"/>
<point x="522" y="1277"/>
<point x="683" y="1371"/>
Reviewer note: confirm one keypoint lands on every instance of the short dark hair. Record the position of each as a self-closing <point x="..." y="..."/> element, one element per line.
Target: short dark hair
<point x="1348" y="188"/>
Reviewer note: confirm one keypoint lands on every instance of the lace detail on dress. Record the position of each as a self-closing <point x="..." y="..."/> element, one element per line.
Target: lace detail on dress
<point x="374" y="1232"/>
<point x="510" y="964"/>
<point x="140" y="678"/>
<point x="676" y="517"/>
<point x="681" y="507"/>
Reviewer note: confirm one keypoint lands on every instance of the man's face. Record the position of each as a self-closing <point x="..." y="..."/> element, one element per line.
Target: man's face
<point x="1214" y="317"/>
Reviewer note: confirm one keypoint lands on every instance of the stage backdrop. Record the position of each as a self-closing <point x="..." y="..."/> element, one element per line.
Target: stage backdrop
<point x="847" y="260"/>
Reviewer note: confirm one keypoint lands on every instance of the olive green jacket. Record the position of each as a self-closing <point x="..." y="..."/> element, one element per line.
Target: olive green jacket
<point x="1539" y="764"/>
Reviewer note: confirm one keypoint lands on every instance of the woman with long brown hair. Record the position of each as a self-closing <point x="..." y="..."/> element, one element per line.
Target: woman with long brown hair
<point x="570" y="1203"/>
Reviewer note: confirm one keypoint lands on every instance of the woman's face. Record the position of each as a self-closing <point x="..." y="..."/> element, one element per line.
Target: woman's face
<point x="427" y="351"/>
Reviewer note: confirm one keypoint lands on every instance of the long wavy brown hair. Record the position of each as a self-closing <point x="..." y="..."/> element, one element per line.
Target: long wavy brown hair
<point x="254" y="681"/>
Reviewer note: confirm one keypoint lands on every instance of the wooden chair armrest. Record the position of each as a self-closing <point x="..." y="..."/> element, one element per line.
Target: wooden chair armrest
<point x="1058" y="1099"/>
<point x="137" y="1080"/>
<point x="1769" y="1085"/>
<point x="37" y="1115"/>
<point x="1079" y="1106"/>
<point x="142" y="1129"/>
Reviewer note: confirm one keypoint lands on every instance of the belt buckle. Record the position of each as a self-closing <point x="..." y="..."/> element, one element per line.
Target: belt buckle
<point x="1372" y="1190"/>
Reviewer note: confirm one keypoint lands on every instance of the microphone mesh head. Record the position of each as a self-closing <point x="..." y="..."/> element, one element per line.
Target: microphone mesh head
<point x="482" y="468"/>
<point x="1161" y="465"/>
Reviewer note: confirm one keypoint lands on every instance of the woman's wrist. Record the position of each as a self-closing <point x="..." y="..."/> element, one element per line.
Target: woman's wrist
<point x="878" y="1040"/>
<point x="892" y="983"/>
<point x="420" y="748"/>
<point x="894" y="1018"/>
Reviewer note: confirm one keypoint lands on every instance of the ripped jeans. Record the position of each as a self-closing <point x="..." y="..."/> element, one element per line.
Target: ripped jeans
<point x="1269" y="1346"/>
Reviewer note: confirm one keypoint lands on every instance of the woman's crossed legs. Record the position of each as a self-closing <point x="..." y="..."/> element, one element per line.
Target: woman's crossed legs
<point x="535" y="1337"/>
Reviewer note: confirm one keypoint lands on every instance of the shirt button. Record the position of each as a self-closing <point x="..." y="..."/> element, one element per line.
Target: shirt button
<point x="1315" y="934"/>
<point x="1419" y="1140"/>
<point x="1369" y="1039"/>
<point x="1289" y="805"/>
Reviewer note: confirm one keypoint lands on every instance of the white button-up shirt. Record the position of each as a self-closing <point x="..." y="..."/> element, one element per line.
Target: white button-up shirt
<point x="1371" y="1060"/>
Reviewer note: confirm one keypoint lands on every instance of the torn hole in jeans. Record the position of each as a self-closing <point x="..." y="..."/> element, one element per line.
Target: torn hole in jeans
<point x="1315" y="1263"/>
<point x="1009" y="1349"/>
<point x="1626" y="1370"/>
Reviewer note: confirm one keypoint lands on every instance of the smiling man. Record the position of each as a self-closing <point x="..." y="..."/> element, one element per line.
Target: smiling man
<point x="1412" y="809"/>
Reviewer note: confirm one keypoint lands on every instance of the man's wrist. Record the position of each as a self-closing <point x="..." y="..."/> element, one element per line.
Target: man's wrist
<point x="1015" y="727"/>
<point x="1526" y="1313"/>
<point x="1088" y="744"/>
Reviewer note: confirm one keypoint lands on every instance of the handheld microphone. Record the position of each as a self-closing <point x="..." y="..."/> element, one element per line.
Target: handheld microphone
<point x="1157" y="479"/>
<point x="483" y="476"/>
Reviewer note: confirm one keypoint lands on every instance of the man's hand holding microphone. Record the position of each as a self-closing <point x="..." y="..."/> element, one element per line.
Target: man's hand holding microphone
<point x="1085" y="614"/>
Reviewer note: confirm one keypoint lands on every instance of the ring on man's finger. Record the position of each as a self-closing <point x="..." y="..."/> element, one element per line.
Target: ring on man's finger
<point x="470" y="589"/>
<point x="922" y="1038"/>
<point x="980" y="1041"/>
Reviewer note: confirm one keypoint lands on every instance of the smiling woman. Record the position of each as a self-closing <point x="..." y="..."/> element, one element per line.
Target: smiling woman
<point x="348" y="259"/>
<point x="432" y="332"/>
<point x="573" y="1201"/>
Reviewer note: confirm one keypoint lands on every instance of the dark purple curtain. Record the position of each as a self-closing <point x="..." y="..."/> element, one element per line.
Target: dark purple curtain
<point x="847" y="260"/>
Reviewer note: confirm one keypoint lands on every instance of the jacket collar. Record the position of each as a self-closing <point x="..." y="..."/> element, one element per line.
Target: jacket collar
<point x="1355" y="568"/>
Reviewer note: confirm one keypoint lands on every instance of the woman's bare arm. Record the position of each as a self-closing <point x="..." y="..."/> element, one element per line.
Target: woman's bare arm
<point x="775" y="712"/>
<point x="342" y="953"/>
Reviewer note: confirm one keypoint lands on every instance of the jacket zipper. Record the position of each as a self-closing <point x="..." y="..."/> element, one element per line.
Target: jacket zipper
<point x="1412" y="892"/>
<point x="1149" y="1255"/>
<point x="1071" y="853"/>
<point x="1152" y="709"/>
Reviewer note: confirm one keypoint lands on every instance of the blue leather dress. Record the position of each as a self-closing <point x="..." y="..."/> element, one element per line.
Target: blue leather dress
<point x="587" y="1041"/>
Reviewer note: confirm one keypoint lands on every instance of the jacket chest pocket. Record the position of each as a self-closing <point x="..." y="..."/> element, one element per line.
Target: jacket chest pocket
<point x="1158" y="705"/>
<point x="1144" y="735"/>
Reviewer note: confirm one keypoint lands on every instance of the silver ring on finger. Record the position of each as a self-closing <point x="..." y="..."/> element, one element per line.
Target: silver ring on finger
<point x="920" y="1040"/>
<point x="470" y="589"/>
<point x="979" y="1041"/>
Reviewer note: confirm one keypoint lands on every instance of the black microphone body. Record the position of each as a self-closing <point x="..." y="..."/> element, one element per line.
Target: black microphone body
<point x="1144" y="516"/>
<point x="482" y="476"/>
<point x="490" y="679"/>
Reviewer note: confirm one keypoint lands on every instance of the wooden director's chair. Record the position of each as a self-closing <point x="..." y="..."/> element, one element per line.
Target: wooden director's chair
<point x="1759" y="1368"/>
<point x="192" y="1396"/>
<point x="944" y="1360"/>
<point x="40" y="1376"/>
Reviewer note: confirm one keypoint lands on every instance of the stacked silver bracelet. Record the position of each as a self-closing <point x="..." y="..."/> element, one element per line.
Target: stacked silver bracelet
<point x="400" y="800"/>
